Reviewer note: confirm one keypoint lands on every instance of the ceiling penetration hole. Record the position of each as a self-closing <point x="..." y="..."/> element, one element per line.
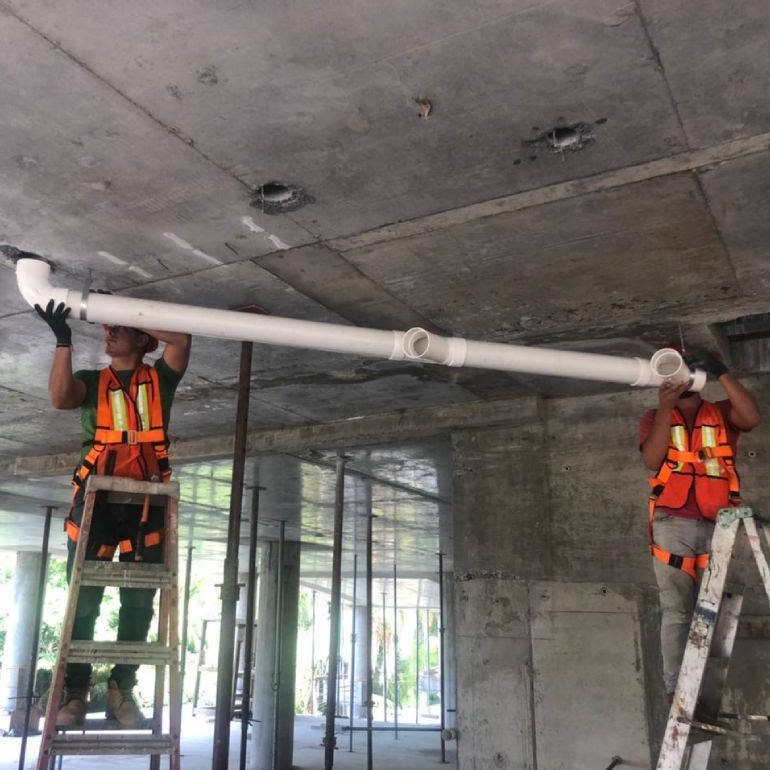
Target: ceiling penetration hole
<point x="561" y="139"/>
<point x="279" y="198"/>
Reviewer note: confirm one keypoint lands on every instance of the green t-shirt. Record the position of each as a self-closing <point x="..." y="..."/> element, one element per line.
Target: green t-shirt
<point x="168" y="380"/>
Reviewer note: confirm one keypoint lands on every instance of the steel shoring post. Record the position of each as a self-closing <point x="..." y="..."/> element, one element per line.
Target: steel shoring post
<point x="229" y="593"/>
<point x="251" y="596"/>
<point x="395" y="652"/>
<point x="417" y="667"/>
<point x="41" y="581"/>
<point x="185" y="616"/>
<point x="334" y="630"/>
<point x="353" y="650"/>
<point x="312" y="662"/>
<point x="384" y="662"/>
<point x="278" y="650"/>
<point x="441" y="650"/>
<point x="369" y="606"/>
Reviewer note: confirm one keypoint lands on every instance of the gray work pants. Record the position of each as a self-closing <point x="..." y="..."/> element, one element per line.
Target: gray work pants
<point x="678" y="591"/>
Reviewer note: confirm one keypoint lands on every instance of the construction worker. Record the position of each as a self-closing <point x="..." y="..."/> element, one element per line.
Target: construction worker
<point x="124" y="412"/>
<point x="691" y="445"/>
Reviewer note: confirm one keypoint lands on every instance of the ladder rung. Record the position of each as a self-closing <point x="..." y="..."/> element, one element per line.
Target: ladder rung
<point x="125" y="574"/>
<point x="102" y="725"/>
<point x="130" y="486"/>
<point x="132" y="653"/>
<point x="127" y="743"/>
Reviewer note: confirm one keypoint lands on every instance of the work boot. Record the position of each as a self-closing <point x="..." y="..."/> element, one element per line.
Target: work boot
<point x="73" y="712"/>
<point x="122" y="707"/>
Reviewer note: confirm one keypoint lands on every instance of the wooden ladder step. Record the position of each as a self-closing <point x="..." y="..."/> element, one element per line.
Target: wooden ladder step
<point x="125" y="575"/>
<point x="124" y="743"/>
<point x="131" y="653"/>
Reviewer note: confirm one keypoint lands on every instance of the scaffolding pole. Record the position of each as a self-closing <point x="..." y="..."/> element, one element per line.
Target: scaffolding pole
<point x="441" y="650"/>
<point x="353" y="650"/>
<point x="369" y="605"/>
<point x="251" y="603"/>
<point x="334" y="629"/>
<point x="229" y="592"/>
<point x="395" y="652"/>
<point x="278" y="648"/>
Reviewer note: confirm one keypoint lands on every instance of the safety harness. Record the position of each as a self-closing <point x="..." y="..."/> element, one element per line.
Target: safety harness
<point x="129" y="440"/>
<point x="702" y="457"/>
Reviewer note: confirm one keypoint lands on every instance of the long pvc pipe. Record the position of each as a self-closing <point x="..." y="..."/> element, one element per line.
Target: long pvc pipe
<point x="33" y="277"/>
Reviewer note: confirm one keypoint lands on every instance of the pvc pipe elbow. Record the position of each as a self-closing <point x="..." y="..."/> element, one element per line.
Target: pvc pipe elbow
<point x="33" y="279"/>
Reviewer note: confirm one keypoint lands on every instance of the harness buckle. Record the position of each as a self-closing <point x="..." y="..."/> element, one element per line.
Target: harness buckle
<point x="706" y="453"/>
<point x="675" y="560"/>
<point x="131" y="437"/>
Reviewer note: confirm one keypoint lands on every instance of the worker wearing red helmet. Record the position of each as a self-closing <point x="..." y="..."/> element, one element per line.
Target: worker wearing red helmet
<point x="124" y="412"/>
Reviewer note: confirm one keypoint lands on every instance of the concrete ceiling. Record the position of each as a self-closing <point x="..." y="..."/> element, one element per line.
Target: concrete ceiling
<point x="134" y="135"/>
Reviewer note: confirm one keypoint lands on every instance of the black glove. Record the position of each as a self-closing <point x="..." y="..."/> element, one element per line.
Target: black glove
<point x="706" y="362"/>
<point x="57" y="320"/>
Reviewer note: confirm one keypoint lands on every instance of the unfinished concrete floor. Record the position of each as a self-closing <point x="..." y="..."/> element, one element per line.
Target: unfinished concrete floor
<point x="412" y="750"/>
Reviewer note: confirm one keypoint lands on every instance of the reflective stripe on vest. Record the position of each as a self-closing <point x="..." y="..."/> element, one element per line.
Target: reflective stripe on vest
<point x="703" y="458"/>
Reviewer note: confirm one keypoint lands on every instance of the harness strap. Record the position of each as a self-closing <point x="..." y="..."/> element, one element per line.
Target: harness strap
<point x="107" y="436"/>
<point x="108" y="551"/>
<point x="688" y="564"/>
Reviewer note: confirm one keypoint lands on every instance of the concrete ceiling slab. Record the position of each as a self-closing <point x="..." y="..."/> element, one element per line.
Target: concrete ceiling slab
<point x="739" y="193"/>
<point x="325" y="100"/>
<point x="591" y="261"/>
<point x="715" y="59"/>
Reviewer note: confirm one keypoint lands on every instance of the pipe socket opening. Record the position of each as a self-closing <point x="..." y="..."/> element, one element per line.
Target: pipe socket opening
<point x="669" y="364"/>
<point x="416" y="343"/>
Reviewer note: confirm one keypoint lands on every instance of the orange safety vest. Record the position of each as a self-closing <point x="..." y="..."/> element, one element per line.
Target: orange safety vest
<point x="702" y="457"/>
<point x="129" y="439"/>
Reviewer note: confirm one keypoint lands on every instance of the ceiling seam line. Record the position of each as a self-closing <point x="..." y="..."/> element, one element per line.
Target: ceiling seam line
<point x="664" y="166"/>
<point x="659" y="65"/>
<point x="170" y="130"/>
<point x="718" y="231"/>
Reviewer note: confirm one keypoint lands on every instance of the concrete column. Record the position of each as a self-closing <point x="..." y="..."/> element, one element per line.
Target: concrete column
<point x="501" y="534"/>
<point x="263" y="730"/>
<point x="359" y="696"/>
<point x="14" y="676"/>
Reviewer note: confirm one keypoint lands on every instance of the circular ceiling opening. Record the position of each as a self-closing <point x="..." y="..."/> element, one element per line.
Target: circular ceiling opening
<point x="279" y="197"/>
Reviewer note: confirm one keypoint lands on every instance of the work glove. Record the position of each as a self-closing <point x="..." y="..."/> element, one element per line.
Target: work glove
<point x="57" y="320"/>
<point x="706" y="362"/>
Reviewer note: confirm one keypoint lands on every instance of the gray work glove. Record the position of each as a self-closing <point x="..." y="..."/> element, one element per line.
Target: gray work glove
<point x="706" y="362"/>
<point x="56" y="318"/>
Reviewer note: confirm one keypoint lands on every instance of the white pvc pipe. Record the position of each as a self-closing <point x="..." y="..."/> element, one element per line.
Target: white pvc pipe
<point x="33" y="276"/>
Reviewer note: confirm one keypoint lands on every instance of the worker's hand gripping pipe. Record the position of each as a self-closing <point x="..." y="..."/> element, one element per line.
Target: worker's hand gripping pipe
<point x="33" y="277"/>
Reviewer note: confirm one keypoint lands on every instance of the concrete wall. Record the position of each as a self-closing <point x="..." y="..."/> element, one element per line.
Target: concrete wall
<point x="557" y="620"/>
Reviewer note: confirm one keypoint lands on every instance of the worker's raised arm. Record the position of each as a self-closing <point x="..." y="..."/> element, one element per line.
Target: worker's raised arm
<point x="177" y="351"/>
<point x="66" y="391"/>
<point x="655" y="446"/>
<point x="744" y="412"/>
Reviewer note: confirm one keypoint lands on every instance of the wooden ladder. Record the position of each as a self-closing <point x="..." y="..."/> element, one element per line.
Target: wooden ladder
<point x="97" y="737"/>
